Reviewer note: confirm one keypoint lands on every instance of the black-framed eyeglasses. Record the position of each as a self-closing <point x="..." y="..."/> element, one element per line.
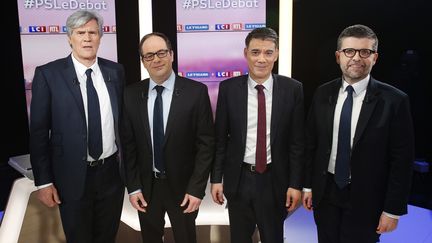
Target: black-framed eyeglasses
<point x="351" y="52"/>
<point x="149" y="56"/>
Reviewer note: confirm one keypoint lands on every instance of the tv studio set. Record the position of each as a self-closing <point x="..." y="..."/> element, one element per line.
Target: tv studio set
<point x="217" y="121"/>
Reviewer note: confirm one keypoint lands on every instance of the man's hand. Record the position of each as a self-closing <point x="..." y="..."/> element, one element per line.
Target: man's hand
<point x="217" y="193"/>
<point x="193" y="205"/>
<point x="138" y="202"/>
<point x="386" y="224"/>
<point x="48" y="196"/>
<point x="307" y="200"/>
<point x="292" y="199"/>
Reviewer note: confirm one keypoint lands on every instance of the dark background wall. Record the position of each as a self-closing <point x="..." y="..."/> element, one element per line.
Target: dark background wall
<point x="404" y="60"/>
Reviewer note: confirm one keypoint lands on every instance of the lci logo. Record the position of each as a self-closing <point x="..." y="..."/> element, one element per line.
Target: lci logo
<point x="37" y="29"/>
<point x="226" y="74"/>
<point x="222" y="27"/>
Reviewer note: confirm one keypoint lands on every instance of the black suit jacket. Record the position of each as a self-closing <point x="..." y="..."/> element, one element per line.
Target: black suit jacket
<point x="382" y="151"/>
<point x="58" y="130"/>
<point x="188" y="144"/>
<point x="286" y="134"/>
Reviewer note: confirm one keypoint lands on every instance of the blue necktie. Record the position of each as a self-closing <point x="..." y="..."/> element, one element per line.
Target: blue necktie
<point x="343" y="156"/>
<point x="158" y="130"/>
<point x="94" y="119"/>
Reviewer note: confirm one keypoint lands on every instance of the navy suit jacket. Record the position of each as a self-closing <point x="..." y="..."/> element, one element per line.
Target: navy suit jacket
<point x="382" y="153"/>
<point x="188" y="145"/>
<point x="286" y="134"/>
<point x="58" y="130"/>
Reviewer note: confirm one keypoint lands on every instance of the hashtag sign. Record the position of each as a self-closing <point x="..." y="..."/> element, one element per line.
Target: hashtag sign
<point x="29" y="3"/>
<point x="186" y="4"/>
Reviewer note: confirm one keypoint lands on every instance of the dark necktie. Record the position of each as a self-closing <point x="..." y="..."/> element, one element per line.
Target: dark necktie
<point x="94" y="119"/>
<point x="342" y="167"/>
<point x="158" y="130"/>
<point x="261" y="147"/>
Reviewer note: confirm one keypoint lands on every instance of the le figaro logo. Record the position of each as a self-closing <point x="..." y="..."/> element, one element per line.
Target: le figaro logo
<point x="65" y="4"/>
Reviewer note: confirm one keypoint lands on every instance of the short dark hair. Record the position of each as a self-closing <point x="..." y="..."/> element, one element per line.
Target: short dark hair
<point x="358" y="31"/>
<point x="161" y="35"/>
<point x="263" y="33"/>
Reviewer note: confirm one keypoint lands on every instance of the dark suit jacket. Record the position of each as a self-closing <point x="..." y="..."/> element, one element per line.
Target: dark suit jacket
<point x="58" y="130"/>
<point x="286" y="134"/>
<point x="188" y="143"/>
<point x="382" y="151"/>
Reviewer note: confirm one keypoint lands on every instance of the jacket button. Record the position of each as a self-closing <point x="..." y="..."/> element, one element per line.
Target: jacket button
<point x="84" y="158"/>
<point x="324" y="172"/>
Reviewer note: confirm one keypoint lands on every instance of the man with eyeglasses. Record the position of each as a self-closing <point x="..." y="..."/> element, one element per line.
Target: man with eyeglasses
<point x="167" y="138"/>
<point x="359" y="148"/>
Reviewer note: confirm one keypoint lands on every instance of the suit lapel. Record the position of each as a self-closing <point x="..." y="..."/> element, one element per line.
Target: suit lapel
<point x="278" y="93"/>
<point x="176" y="102"/>
<point x="110" y="84"/>
<point x="242" y="106"/>
<point x="329" y="108"/>
<point x="367" y="109"/>
<point x="73" y="85"/>
<point x="142" y="99"/>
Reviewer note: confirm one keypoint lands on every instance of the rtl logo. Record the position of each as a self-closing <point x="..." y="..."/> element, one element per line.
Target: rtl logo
<point x="54" y="29"/>
<point x="237" y="26"/>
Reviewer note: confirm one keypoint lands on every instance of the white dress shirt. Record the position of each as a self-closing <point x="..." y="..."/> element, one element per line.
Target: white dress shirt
<point x="252" y="119"/>
<point x="358" y="97"/>
<point x="166" y="102"/>
<point x="107" y="118"/>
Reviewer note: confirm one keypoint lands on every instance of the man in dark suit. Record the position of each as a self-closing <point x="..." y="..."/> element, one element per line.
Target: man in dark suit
<point x="168" y="144"/>
<point x="259" y="144"/>
<point x="360" y="148"/>
<point x="74" y="134"/>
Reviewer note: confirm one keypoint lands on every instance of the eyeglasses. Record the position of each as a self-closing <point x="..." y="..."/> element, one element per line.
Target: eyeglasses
<point x="351" y="52"/>
<point x="150" y="55"/>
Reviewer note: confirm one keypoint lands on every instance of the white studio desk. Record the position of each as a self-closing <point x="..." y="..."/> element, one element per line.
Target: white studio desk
<point x="13" y="217"/>
<point x="210" y="213"/>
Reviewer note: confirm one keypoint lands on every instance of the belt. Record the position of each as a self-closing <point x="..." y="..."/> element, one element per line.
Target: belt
<point x="158" y="175"/>
<point x="251" y="167"/>
<point x="101" y="161"/>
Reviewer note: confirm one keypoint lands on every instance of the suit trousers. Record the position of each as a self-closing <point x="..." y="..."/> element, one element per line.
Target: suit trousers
<point x="335" y="219"/>
<point x="256" y="204"/>
<point x="153" y="220"/>
<point x="95" y="217"/>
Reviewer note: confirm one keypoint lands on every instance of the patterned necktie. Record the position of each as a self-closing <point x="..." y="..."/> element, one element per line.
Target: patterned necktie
<point x="94" y="119"/>
<point x="158" y="130"/>
<point x="261" y="147"/>
<point x="342" y="167"/>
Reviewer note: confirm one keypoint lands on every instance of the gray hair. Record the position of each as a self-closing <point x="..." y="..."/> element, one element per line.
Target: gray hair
<point x="80" y="18"/>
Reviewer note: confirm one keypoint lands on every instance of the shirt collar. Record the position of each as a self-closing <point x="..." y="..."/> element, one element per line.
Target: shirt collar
<point x="81" y="68"/>
<point x="167" y="84"/>
<point x="268" y="84"/>
<point x="358" y="87"/>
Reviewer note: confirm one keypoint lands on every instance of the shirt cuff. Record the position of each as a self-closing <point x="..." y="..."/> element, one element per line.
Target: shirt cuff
<point x="392" y="215"/>
<point x="134" y="192"/>
<point x="307" y="189"/>
<point x="44" y="185"/>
